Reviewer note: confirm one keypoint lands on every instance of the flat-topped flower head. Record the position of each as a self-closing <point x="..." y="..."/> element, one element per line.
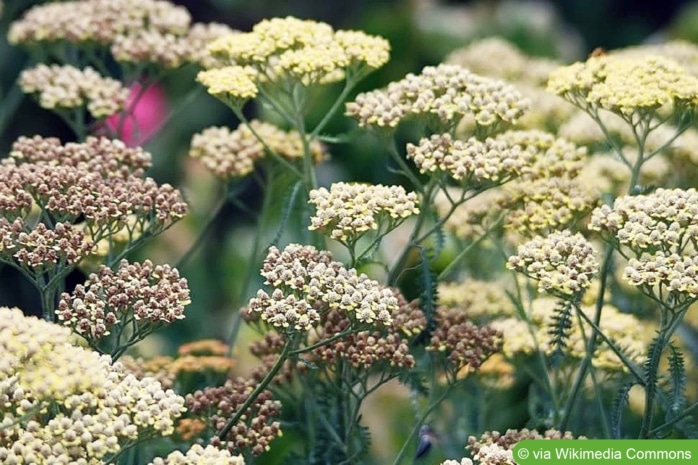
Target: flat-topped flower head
<point x="472" y="162"/>
<point x="231" y="84"/>
<point x="66" y="88"/>
<point x="199" y="455"/>
<point x="61" y="403"/>
<point x="303" y="51"/>
<point x="152" y="295"/>
<point x="563" y="263"/>
<point x="233" y="153"/>
<point x="442" y="95"/>
<point x="661" y="231"/>
<point x="307" y="283"/>
<point x="626" y="84"/>
<point x="347" y="210"/>
<point x="86" y="22"/>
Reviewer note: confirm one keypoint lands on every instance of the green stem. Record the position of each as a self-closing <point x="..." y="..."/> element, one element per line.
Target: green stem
<point x="203" y="233"/>
<point x="591" y="345"/>
<point x="689" y="410"/>
<point x="283" y="356"/>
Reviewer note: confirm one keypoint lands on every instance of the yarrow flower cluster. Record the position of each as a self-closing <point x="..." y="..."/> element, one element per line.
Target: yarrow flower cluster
<point x="479" y="300"/>
<point x="563" y="263"/>
<point x="89" y="408"/>
<point x="347" y="210"/>
<point x="625" y="84"/>
<point x="87" y="191"/>
<point x="307" y="283"/>
<point x="135" y="31"/>
<point x="445" y="93"/>
<point x="661" y="230"/>
<point x="494" y="448"/>
<point x="199" y="455"/>
<point x="257" y="426"/>
<point x="472" y="161"/>
<point x="66" y="87"/>
<point x="304" y="51"/>
<point x="231" y="154"/>
<point x="137" y="295"/>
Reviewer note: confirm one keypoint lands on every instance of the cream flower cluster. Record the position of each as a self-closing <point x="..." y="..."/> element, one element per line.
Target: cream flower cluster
<point x="494" y="448"/>
<point x="661" y="230"/>
<point x="625" y="84"/>
<point x="88" y="407"/>
<point x="347" y="210"/>
<point x="626" y="331"/>
<point x="304" y="51"/>
<point x="199" y="455"/>
<point x="137" y="31"/>
<point x="66" y="87"/>
<point x="230" y="154"/>
<point x="307" y="282"/>
<point x="479" y="300"/>
<point x="445" y="93"/>
<point x="471" y="161"/>
<point x="150" y="294"/>
<point x="563" y="263"/>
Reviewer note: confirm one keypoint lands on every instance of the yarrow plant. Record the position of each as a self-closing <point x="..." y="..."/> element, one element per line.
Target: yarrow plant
<point x="527" y="265"/>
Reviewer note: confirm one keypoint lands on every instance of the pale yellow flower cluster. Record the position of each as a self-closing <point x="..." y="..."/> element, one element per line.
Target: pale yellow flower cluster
<point x="64" y="404"/>
<point x="680" y="51"/>
<point x="347" y="210"/>
<point x="230" y="154"/>
<point x="232" y="84"/>
<point x="523" y="338"/>
<point x="625" y="84"/>
<point x="661" y="230"/>
<point x="496" y="58"/>
<point x="479" y="300"/>
<point x="65" y="87"/>
<point x="563" y="263"/>
<point x="307" y="282"/>
<point x="470" y="162"/>
<point x="304" y="51"/>
<point x="199" y="455"/>
<point x="444" y="94"/>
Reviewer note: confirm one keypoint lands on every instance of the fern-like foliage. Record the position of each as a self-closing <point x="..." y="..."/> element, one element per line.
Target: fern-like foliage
<point x="620" y="401"/>
<point x="677" y="382"/>
<point x="560" y="329"/>
<point x="428" y="299"/>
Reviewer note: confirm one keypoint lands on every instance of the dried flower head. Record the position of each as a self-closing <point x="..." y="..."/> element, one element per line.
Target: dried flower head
<point x="443" y="94"/>
<point x="307" y="283"/>
<point x="66" y="88"/>
<point x="304" y="51"/>
<point x="661" y="231"/>
<point x="140" y="296"/>
<point x="625" y="84"/>
<point x="462" y="342"/>
<point x="88" y="407"/>
<point x="563" y="263"/>
<point x="256" y="428"/>
<point x="347" y="210"/>
<point x="230" y="154"/>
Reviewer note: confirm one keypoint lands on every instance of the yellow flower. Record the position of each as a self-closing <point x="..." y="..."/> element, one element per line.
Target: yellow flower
<point x="232" y="82"/>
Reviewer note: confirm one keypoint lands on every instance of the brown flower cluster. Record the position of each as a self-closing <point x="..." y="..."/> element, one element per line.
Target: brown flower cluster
<point x="88" y="407"/>
<point x="462" y="342"/>
<point x="231" y="154"/>
<point x="445" y="94"/>
<point x="347" y="210"/>
<point x="136" y="295"/>
<point x="308" y="283"/>
<point x="136" y="31"/>
<point x="661" y="231"/>
<point x="66" y="87"/>
<point x="87" y="191"/>
<point x="256" y="428"/>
